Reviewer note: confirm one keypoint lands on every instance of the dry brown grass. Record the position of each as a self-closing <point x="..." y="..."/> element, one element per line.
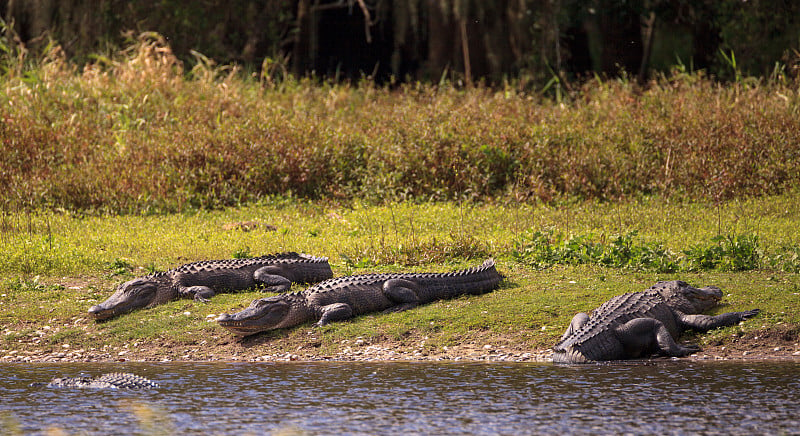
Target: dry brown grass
<point x="136" y="132"/>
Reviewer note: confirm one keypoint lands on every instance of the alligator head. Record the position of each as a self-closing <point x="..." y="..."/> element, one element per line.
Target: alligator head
<point x="131" y="295"/>
<point x="688" y="299"/>
<point x="262" y="314"/>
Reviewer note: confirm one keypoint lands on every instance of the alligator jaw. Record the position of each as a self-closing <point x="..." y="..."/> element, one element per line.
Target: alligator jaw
<point x="262" y="314"/>
<point x="704" y="298"/>
<point x="100" y="313"/>
<point x="241" y="327"/>
<point x="109" y="309"/>
<point x="129" y="296"/>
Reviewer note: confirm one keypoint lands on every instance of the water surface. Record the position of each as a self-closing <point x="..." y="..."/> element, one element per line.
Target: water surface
<point x="665" y="397"/>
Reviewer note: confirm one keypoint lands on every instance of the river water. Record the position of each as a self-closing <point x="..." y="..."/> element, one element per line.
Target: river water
<point x="661" y="397"/>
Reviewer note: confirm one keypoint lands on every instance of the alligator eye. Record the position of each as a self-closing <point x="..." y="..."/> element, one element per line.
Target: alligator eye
<point x="143" y="290"/>
<point x="261" y="302"/>
<point x="258" y="303"/>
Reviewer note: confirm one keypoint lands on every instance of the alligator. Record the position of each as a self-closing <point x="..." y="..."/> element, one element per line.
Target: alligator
<point x="112" y="380"/>
<point x="641" y="324"/>
<point x="345" y="297"/>
<point x="202" y="280"/>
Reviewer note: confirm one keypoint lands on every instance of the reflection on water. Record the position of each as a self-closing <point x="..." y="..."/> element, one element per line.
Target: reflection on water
<point x="666" y="397"/>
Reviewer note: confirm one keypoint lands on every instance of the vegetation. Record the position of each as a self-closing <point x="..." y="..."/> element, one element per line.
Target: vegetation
<point x="135" y="164"/>
<point x="138" y="133"/>
<point x="55" y="265"/>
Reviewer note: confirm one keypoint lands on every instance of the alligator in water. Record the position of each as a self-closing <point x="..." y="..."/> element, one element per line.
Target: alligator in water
<point x="345" y="297"/>
<point x="113" y="380"/>
<point x="640" y="324"/>
<point x="202" y="280"/>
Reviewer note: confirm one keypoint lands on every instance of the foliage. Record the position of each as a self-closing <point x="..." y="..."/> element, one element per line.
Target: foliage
<point x="787" y="259"/>
<point x="725" y="253"/>
<point x="120" y="266"/>
<point x="133" y="133"/>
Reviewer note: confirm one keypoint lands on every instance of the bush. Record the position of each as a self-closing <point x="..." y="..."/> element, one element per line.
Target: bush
<point x="724" y="253"/>
<point x="135" y="133"/>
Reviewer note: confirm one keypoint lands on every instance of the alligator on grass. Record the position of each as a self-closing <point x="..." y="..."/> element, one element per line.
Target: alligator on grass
<point x="641" y="324"/>
<point x="345" y="297"/>
<point x="202" y="280"/>
<point x="112" y="380"/>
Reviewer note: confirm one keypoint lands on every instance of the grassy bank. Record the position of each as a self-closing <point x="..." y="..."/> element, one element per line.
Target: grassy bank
<point x="138" y="163"/>
<point x="138" y="131"/>
<point x="54" y="266"/>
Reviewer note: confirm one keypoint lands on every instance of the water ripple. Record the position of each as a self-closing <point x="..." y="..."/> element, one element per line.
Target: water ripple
<point x="414" y="398"/>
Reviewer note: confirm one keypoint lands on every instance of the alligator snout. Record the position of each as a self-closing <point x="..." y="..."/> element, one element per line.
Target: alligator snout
<point x="224" y="318"/>
<point x="99" y="312"/>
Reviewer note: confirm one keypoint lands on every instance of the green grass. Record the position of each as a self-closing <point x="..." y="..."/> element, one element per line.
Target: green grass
<point x="45" y="292"/>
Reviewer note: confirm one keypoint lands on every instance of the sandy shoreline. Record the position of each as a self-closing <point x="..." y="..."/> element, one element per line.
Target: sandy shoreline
<point x="373" y="353"/>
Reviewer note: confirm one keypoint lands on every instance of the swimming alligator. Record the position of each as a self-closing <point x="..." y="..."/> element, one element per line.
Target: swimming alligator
<point x="640" y="324"/>
<point x="112" y="380"/>
<point x="345" y="297"/>
<point x="202" y="280"/>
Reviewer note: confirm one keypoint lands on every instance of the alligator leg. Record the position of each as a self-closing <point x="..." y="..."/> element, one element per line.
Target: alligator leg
<point x="334" y="312"/>
<point x="404" y="293"/>
<point x="577" y="322"/>
<point x="705" y="323"/>
<point x="641" y="335"/>
<point x="270" y="277"/>
<point x="199" y="293"/>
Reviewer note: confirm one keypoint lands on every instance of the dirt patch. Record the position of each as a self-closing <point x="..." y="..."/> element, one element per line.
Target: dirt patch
<point x="780" y="342"/>
<point x="774" y="343"/>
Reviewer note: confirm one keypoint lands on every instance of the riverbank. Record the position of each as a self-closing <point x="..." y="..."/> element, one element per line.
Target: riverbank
<point x="557" y="261"/>
<point x="770" y="344"/>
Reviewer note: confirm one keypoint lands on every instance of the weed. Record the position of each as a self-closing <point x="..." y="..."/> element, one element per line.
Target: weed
<point x="788" y="260"/>
<point x="241" y="253"/>
<point x="623" y="252"/>
<point x="724" y="253"/>
<point x="120" y="266"/>
<point x="32" y="285"/>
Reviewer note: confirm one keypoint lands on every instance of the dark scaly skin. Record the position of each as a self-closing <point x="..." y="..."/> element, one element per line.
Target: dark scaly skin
<point x="345" y="297"/>
<point x="113" y="380"/>
<point x="640" y="324"/>
<point x="202" y="280"/>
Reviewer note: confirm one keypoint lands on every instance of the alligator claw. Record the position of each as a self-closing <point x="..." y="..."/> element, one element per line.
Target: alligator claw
<point x="750" y="313"/>
<point x="689" y="349"/>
